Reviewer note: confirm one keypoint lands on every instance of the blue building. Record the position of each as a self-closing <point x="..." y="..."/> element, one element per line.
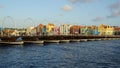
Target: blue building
<point x="44" y="30"/>
<point x="95" y="32"/>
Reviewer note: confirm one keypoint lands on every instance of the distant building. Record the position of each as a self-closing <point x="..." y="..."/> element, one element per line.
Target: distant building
<point x="102" y="29"/>
<point x="30" y="31"/>
<point x="50" y="29"/>
<point x="0" y="31"/>
<point x="65" y="29"/>
<point x="83" y="30"/>
<point x="44" y="30"/>
<point x="75" y="29"/>
<point x="86" y="30"/>
<point x="56" y="31"/>
<point x="10" y="32"/>
<point x="116" y="30"/>
<point x="110" y="30"/>
<point x="33" y="32"/>
<point x="39" y="29"/>
<point x="95" y="30"/>
<point x="21" y="32"/>
<point x="89" y="30"/>
<point x="106" y="30"/>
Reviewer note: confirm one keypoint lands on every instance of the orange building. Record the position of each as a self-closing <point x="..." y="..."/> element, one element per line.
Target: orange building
<point x="75" y="29"/>
<point x="39" y="29"/>
<point x="117" y="30"/>
<point x="9" y="32"/>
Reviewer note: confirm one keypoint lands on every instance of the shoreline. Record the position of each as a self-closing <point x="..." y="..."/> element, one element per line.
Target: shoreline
<point x="55" y="39"/>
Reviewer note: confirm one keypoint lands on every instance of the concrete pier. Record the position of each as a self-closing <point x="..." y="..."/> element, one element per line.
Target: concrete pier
<point x="54" y="39"/>
<point x="34" y="42"/>
<point x="83" y="40"/>
<point x="64" y="41"/>
<point x="51" y="41"/>
<point x="74" y="40"/>
<point x="91" y="39"/>
<point x="12" y="43"/>
<point x="98" y="39"/>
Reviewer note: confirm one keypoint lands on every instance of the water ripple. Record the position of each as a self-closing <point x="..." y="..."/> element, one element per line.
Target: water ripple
<point x="97" y="54"/>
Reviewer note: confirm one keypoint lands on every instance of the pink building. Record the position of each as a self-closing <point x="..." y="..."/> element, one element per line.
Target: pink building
<point x="56" y="31"/>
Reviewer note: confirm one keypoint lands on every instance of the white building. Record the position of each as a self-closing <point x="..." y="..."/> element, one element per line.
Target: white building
<point x="30" y="31"/>
<point x="65" y="29"/>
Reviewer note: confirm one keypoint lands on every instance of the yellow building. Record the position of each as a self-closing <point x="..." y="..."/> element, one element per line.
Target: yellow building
<point x="106" y="30"/>
<point x="110" y="30"/>
<point x="50" y="28"/>
<point x="102" y="29"/>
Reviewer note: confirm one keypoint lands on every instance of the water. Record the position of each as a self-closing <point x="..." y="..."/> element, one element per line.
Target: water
<point x="93" y="54"/>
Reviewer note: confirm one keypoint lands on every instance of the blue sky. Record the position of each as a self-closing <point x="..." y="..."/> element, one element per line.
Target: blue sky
<point x="79" y="12"/>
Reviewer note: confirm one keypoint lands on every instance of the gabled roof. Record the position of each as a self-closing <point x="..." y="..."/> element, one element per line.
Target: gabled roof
<point x="50" y="24"/>
<point x="104" y="26"/>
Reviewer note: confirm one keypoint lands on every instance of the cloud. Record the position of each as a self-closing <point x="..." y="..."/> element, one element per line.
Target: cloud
<point x="115" y="6"/>
<point x="114" y="10"/>
<point x="99" y="18"/>
<point x="73" y="1"/>
<point x="67" y="8"/>
<point x="114" y="14"/>
<point x="82" y="1"/>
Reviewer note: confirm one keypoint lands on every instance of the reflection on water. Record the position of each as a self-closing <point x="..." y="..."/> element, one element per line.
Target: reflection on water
<point x="95" y="54"/>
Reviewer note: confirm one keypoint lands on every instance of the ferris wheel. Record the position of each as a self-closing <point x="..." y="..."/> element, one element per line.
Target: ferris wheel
<point x="28" y="20"/>
<point x="3" y="23"/>
<point x="8" y="17"/>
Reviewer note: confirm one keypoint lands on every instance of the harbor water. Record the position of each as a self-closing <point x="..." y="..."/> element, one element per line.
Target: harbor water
<point x="91" y="54"/>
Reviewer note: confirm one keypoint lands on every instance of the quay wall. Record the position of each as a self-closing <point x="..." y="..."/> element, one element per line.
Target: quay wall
<point x="55" y="37"/>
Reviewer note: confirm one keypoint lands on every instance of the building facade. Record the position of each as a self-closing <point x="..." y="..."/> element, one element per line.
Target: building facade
<point x="65" y="29"/>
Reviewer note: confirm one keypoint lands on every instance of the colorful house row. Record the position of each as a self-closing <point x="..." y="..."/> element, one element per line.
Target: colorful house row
<point x="67" y="29"/>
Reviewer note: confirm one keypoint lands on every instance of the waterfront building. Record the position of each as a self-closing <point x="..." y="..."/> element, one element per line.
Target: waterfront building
<point x="117" y="30"/>
<point x="95" y="30"/>
<point x="50" y="29"/>
<point x="44" y="30"/>
<point x="65" y="29"/>
<point x="56" y="31"/>
<point x="75" y="29"/>
<point x="61" y="29"/>
<point x="86" y="30"/>
<point x="33" y="32"/>
<point x="39" y="29"/>
<point x="28" y="31"/>
<point x="89" y="30"/>
<point x="102" y="29"/>
<point x="0" y="31"/>
<point x="83" y="30"/>
<point x="21" y="32"/>
<point x="110" y="30"/>
<point x="8" y="32"/>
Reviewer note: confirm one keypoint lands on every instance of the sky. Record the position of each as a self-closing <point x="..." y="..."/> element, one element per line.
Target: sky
<point x="26" y="13"/>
